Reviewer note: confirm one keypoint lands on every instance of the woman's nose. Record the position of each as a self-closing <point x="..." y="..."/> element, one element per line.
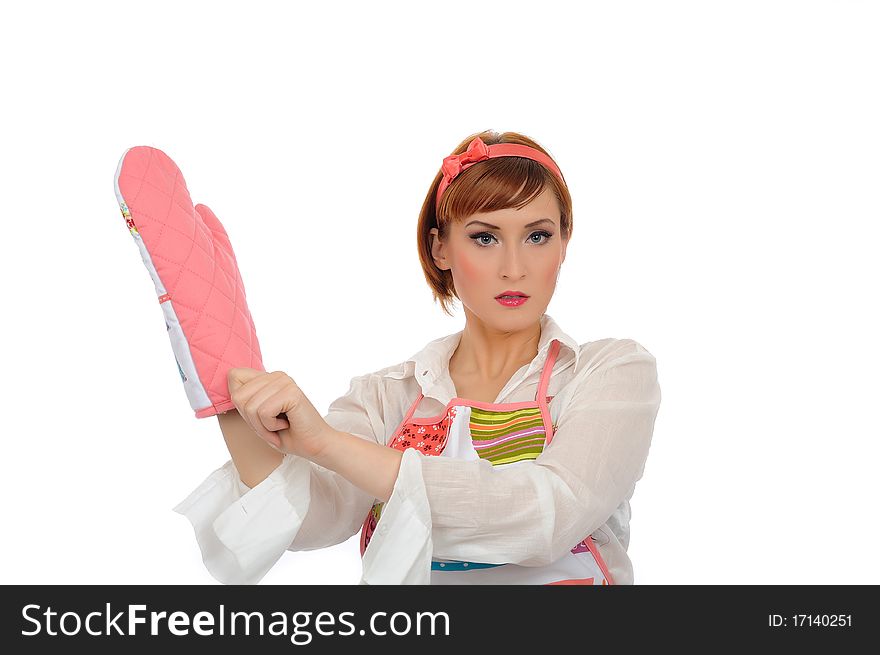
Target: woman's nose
<point x="512" y="265"/>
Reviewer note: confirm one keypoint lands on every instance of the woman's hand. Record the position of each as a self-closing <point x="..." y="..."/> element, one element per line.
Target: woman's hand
<point x="278" y="411"/>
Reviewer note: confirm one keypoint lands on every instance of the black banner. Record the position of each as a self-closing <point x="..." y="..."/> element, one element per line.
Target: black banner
<point x="397" y="619"/>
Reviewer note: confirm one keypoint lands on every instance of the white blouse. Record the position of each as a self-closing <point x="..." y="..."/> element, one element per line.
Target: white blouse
<point x="605" y="401"/>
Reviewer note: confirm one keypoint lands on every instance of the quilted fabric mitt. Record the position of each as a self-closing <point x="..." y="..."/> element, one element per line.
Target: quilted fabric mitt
<point x="190" y="259"/>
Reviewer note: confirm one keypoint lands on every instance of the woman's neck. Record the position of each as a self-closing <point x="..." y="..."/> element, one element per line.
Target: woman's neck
<point x="485" y="354"/>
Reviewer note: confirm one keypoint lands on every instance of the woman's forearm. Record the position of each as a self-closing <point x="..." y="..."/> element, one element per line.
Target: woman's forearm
<point x="366" y="464"/>
<point x="254" y="459"/>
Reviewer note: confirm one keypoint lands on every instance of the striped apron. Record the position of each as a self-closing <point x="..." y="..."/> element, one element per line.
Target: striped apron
<point x="505" y="434"/>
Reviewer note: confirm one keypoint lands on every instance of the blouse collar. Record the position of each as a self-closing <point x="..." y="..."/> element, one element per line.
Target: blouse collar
<point x="431" y="363"/>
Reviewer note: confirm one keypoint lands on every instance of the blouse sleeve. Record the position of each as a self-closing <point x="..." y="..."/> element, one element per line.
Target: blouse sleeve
<point x="243" y="531"/>
<point x="531" y="515"/>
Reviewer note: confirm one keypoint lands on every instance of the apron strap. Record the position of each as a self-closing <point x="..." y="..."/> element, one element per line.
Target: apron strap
<point x="541" y="397"/>
<point x="545" y="374"/>
<point x="405" y="419"/>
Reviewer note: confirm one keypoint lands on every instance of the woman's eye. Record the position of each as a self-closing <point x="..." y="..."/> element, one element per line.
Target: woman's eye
<point x="478" y="238"/>
<point x="546" y="236"/>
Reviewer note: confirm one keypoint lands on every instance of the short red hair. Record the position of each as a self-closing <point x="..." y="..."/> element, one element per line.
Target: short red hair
<point x="486" y="186"/>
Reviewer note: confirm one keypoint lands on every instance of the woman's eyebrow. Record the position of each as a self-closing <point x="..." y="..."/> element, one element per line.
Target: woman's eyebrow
<point x="495" y="227"/>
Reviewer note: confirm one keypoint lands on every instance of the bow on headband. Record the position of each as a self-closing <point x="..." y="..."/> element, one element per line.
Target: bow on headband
<point x="454" y="164"/>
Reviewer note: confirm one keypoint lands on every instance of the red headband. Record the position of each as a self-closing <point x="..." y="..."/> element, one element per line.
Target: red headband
<point x="477" y="151"/>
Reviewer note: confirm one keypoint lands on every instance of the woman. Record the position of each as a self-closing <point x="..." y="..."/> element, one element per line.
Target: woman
<point x="505" y="453"/>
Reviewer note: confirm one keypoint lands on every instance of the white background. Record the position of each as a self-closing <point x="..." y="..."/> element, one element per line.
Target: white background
<point x="723" y="158"/>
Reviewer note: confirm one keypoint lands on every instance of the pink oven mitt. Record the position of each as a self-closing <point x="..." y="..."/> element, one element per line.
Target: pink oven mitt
<point x="190" y="259"/>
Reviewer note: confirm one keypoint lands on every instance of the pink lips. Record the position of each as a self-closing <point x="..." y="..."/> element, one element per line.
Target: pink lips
<point x="511" y="298"/>
<point x="515" y="301"/>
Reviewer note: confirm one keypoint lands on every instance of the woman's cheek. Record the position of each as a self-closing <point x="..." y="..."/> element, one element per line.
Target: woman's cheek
<point x="467" y="269"/>
<point x="548" y="278"/>
<point x="471" y="276"/>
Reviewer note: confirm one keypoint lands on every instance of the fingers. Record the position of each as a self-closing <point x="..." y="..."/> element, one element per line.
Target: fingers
<point x="260" y="402"/>
<point x="245" y="382"/>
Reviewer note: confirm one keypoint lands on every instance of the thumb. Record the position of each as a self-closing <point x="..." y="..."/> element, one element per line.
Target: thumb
<point x="209" y="218"/>
<point x="239" y="376"/>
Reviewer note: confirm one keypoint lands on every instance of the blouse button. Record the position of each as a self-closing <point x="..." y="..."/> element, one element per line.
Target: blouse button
<point x="442" y="565"/>
<point x="383" y="529"/>
<point x="464" y="564"/>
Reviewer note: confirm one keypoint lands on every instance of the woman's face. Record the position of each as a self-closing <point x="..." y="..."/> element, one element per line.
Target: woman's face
<point x="490" y="253"/>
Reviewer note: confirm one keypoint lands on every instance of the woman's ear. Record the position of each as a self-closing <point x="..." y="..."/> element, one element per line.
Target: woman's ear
<point x="438" y="250"/>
